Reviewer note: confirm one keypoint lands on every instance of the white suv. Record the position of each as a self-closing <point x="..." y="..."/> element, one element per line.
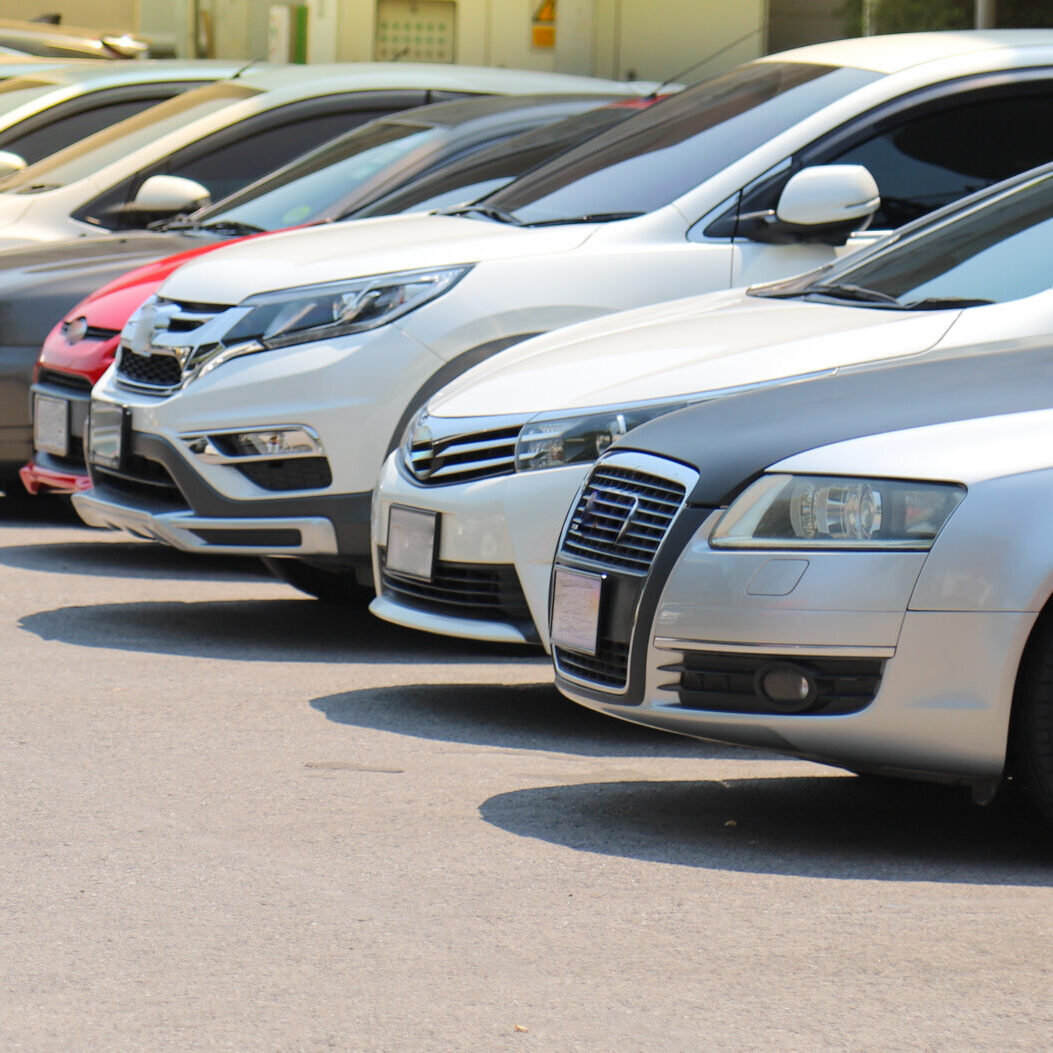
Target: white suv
<point x="255" y="399"/>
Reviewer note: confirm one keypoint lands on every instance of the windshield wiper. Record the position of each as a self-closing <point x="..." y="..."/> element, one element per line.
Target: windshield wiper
<point x="856" y="293"/>
<point x="490" y="211"/>
<point x="220" y="226"/>
<point x="945" y="303"/>
<point x="589" y="217"/>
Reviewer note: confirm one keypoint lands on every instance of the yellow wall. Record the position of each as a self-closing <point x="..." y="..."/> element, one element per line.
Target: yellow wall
<point x="108" y="14"/>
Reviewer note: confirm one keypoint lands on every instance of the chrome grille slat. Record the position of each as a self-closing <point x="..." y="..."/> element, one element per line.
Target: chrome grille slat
<point x="461" y="457"/>
<point x="622" y="517"/>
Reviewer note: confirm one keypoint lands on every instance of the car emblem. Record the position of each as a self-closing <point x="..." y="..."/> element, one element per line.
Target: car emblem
<point x="76" y="330"/>
<point x="633" y="509"/>
<point x="420" y="452"/>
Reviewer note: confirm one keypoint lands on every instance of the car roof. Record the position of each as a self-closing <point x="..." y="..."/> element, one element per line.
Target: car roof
<point x="141" y="71"/>
<point x="488" y="109"/>
<point x="430" y="75"/>
<point x="895" y="52"/>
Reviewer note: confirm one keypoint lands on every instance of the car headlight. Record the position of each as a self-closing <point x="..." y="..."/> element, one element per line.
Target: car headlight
<point x="580" y="440"/>
<point x="805" y="511"/>
<point x="321" y="312"/>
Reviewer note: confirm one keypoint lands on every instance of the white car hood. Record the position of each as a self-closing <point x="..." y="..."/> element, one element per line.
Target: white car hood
<point x="358" y="248"/>
<point x="704" y="343"/>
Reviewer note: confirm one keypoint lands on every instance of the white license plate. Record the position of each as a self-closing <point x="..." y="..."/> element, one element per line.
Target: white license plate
<point x="576" y="610"/>
<point x="411" y="541"/>
<point x="106" y="427"/>
<point x="51" y="425"/>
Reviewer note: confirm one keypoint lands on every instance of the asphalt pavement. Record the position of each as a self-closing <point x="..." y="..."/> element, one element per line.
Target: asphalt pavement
<point x="233" y="818"/>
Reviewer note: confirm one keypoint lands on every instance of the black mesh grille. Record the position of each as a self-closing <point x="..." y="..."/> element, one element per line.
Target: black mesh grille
<point x="622" y="517"/>
<point x="608" y="666"/>
<point x="291" y="473"/>
<point x="488" y="592"/>
<point x="729" y="683"/>
<point x="159" y="371"/>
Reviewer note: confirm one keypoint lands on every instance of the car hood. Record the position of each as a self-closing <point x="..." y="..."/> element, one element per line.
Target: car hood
<point x="360" y="248"/>
<point x="704" y="343"/>
<point x="41" y="283"/>
<point x="732" y="441"/>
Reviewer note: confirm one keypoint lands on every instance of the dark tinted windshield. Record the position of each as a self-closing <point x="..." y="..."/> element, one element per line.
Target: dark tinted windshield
<point x="498" y="165"/>
<point x="667" y="150"/>
<point x="994" y="251"/>
<point x="313" y="189"/>
<point x="103" y="148"/>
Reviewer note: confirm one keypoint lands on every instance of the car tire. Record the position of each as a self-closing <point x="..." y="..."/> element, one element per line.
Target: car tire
<point x="1031" y="726"/>
<point x="329" y="586"/>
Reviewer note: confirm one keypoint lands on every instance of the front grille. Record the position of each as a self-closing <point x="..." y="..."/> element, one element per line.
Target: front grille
<point x="142" y="478"/>
<point x="154" y="366"/>
<point x="729" y="683"/>
<point x="66" y="381"/>
<point x="459" y="458"/>
<point x="290" y="473"/>
<point x="609" y="666"/>
<point x="156" y="371"/>
<point x="480" y="591"/>
<point x="622" y="517"/>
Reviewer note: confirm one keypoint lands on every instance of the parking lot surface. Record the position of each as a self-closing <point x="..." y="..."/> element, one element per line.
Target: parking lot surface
<point x="235" y="818"/>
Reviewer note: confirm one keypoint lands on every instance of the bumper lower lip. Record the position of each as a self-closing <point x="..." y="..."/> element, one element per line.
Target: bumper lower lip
<point x="193" y="533"/>
<point x="446" y="625"/>
<point x="39" y="479"/>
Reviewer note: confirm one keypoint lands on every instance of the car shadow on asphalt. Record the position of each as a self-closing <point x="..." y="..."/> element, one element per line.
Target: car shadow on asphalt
<point x="132" y="559"/>
<point x="512" y="716"/>
<point x="264" y="630"/>
<point x="807" y="826"/>
<point x="21" y="510"/>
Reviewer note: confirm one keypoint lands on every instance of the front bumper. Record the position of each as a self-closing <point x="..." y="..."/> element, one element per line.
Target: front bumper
<point x="505" y="527"/>
<point x="158" y="495"/>
<point x="930" y="691"/>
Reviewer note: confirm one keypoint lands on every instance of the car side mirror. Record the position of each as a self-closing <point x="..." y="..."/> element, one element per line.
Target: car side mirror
<point x="824" y="203"/>
<point x="10" y="163"/>
<point x="169" y="194"/>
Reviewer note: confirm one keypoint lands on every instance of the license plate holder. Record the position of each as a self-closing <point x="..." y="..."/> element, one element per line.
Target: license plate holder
<point x="51" y="424"/>
<point x="108" y="427"/>
<point x="412" y="542"/>
<point x="576" y="597"/>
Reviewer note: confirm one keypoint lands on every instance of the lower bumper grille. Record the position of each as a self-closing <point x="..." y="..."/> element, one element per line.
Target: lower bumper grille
<point x="480" y="591"/>
<point x="609" y="666"/>
<point x="733" y="683"/>
<point x="142" y="478"/>
<point x="292" y="473"/>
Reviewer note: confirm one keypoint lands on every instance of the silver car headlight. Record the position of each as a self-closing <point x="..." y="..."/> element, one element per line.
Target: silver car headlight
<point x="321" y="312"/>
<point x="812" y="511"/>
<point x="580" y="440"/>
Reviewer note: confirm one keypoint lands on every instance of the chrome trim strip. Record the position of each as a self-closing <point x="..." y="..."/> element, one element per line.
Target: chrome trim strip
<point x="671" y="643"/>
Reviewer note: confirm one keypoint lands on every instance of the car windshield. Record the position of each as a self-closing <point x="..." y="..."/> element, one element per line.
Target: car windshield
<point x="496" y="166"/>
<point x="103" y="148"/>
<point x="667" y="150"/>
<point x="970" y="257"/>
<point x="315" y="188"/>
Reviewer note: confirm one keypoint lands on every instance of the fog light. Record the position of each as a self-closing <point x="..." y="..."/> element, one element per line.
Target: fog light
<point x="224" y="447"/>
<point x="278" y="442"/>
<point x="791" y="688"/>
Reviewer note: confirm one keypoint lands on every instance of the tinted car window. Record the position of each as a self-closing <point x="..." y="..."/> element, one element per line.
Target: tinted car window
<point x="307" y="192"/>
<point x="667" y="150"/>
<point x="496" y="166"/>
<point x="937" y="158"/>
<point x="83" y="158"/>
<point x="59" y="132"/>
<point x="973" y="256"/>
